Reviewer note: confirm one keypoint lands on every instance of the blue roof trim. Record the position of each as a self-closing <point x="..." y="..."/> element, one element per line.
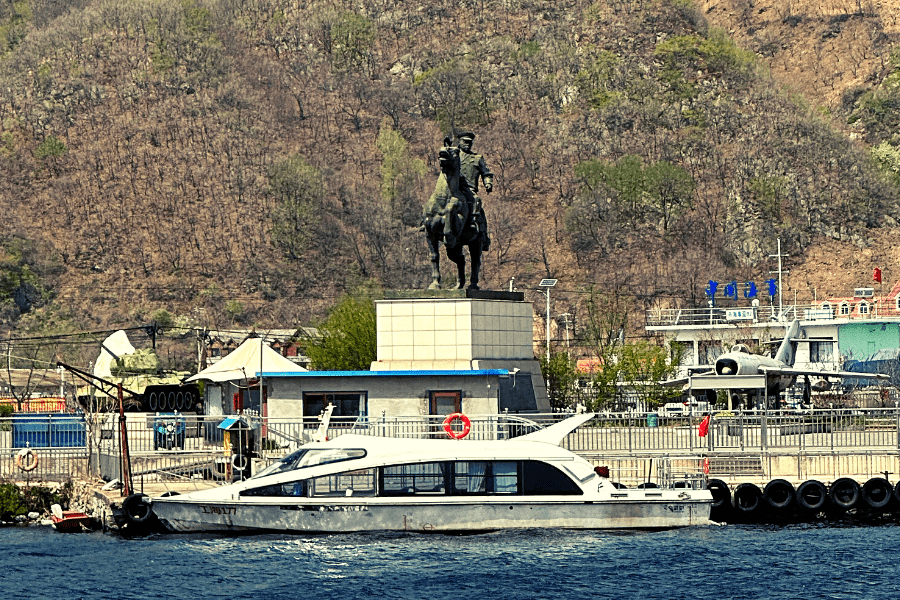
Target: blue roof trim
<point x="386" y="373"/>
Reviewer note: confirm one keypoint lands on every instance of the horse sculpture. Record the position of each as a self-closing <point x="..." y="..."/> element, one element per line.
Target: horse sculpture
<point x="449" y="216"/>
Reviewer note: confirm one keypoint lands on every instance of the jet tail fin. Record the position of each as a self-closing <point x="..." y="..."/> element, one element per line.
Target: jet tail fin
<point x="785" y="351"/>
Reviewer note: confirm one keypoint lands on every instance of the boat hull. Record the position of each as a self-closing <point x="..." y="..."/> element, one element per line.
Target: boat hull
<point x="344" y="517"/>
<point x="71" y="522"/>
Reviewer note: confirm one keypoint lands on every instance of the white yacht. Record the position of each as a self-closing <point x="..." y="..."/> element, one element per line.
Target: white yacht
<point x="364" y="483"/>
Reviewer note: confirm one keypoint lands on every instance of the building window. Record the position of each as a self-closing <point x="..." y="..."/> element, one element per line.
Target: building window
<point x="346" y="404"/>
<point x="445" y="402"/>
<point x="820" y="351"/>
<point x="845" y="309"/>
<point x="826" y="306"/>
<point x="863" y="308"/>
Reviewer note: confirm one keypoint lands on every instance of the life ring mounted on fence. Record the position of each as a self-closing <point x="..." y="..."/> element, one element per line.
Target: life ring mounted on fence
<point x="706" y="466"/>
<point x="27" y="460"/>
<point x="240" y="461"/>
<point x="466" y="426"/>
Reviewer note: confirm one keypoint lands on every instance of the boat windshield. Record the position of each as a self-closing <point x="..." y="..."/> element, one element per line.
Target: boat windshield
<point x="328" y="455"/>
<point x="285" y="464"/>
<point x="310" y="458"/>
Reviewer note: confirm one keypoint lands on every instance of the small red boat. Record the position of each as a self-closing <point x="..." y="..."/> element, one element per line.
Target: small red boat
<point x="69" y="521"/>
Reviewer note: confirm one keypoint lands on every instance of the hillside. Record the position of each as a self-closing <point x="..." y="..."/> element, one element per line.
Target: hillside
<point x="246" y="163"/>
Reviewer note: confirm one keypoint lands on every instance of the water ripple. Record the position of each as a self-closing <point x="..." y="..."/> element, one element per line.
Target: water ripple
<point x="714" y="563"/>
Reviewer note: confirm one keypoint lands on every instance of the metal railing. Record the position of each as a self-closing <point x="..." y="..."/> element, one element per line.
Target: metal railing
<point x="818" y="430"/>
<point x="197" y="447"/>
<point x="672" y="317"/>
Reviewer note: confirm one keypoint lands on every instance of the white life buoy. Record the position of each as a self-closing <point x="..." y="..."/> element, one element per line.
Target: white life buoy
<point x="27" y="460"/>
<point x="239" y="461"/>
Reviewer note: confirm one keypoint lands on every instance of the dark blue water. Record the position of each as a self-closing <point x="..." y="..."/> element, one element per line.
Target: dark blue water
<point x="699" y="563"/>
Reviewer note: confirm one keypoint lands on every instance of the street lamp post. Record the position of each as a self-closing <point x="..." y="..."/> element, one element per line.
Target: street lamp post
<point x="547" y="284"/>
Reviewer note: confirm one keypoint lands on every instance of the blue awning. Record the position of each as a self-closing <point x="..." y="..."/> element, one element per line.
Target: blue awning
<point x="233" y="423"/>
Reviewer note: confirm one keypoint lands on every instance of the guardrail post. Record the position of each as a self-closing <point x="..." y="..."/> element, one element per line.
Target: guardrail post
<point x="763" y="424"/>
<point x="630" y="426"/>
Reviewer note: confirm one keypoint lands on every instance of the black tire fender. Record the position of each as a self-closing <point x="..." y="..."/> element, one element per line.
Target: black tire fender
<point x="720" y="491"/>
<point x="844" y="493"/>
<point x="877" y="492"/>
<point x="812" y="494"/>
<point x="779" y="494"/>
<point x="135" y="509"/>
<point x="747" y="498"/>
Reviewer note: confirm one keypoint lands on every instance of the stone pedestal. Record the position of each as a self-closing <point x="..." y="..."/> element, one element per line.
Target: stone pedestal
<point x="458" y="332"/>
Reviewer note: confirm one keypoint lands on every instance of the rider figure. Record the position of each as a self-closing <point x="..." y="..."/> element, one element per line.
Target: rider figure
<point x="472" y="166"/>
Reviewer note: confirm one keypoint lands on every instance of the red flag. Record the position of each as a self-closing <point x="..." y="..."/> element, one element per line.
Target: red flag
<point x="876" y="275"/>
<point x="703" y="429"/>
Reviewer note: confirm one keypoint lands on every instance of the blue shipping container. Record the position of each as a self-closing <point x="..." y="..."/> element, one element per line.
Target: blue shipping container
<point x="49" y="431"/>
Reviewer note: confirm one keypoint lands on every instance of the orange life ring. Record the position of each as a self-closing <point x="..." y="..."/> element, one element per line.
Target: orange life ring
<point x="706" y="466"/>
<point x="466" y="426"/>
<point x="33" y="460"/>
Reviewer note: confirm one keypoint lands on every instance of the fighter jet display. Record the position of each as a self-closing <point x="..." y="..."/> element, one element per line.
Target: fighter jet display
<point x="779" y="370"/>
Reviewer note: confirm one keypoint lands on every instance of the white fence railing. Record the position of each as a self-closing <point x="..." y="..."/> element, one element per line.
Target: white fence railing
<point x="197" y="446"/>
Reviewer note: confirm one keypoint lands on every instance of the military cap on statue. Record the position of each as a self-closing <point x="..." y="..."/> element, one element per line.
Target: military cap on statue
<point x="466" y="135"/>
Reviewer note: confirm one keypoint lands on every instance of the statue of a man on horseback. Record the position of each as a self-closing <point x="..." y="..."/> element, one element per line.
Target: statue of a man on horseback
<point x="451" y="216"/>
<point x="473" y="167"/>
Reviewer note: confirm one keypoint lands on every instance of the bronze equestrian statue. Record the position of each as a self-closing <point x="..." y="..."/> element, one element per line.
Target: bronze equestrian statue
<point x="450" y="217"/>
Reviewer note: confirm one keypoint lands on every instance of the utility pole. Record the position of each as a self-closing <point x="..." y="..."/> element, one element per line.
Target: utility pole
<point x="566" y="317"/>
<point x="780" y="271"/>
<point x="547" y="284"/>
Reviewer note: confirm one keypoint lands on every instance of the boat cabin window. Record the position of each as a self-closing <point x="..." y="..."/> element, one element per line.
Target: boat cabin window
<point x="422" y="478"/>
<point x="293" y="488"/>
<point x="360" y="482"/>
<point x="539" y="478"/>
<point x="490" y="477"/>
<point x="350" y="483"/>
<point x="486" y="477"/>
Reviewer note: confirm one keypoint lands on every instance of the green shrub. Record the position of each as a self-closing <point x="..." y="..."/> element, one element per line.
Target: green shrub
<point x="12" y="504"/>
<point x="52" y="146"/>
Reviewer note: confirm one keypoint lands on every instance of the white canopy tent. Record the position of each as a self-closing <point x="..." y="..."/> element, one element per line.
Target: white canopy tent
<point x="244" y="363"/>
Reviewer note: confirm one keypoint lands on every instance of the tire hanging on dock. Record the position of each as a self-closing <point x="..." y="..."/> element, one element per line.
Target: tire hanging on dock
<point x="747" y="498"/>
<point x="877" y="492"/>
<point x="779" y="494"/>
<point x="720" y="491"/>
<point x="812" y="495"/>
<point x="844" y="493"/>
<point x="135" y="509"/>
